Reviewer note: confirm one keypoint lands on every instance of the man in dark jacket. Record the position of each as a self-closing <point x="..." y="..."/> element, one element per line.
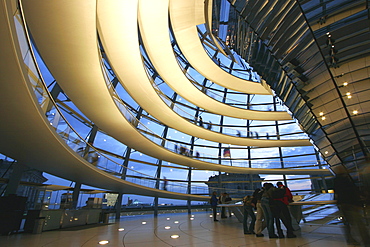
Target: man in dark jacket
<point x="350" y="204"/>
<point x="214" y="201"/>
<point x="281" y="211"/>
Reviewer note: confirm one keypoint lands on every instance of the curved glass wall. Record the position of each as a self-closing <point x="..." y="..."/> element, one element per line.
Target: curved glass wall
<point x="126" y="163"/>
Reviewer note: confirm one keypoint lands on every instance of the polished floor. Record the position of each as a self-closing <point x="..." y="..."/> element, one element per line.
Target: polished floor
<point x="197" y="229"/>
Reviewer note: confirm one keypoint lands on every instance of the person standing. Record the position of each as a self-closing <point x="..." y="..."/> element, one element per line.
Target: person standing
<point x="165" y="181"/>
<point x="265" y="203"/>
<point x="200" y="121"/>
<point x="260" y="219"/>
<point x="281" y="210"/>
<point x="248" y="206"/>
<point x="350" y="204"/>
<point x="223" y="201"/>
<point x="228" y="200"/>
<point x="197" y="155"/>
<point x="214" y="202"/>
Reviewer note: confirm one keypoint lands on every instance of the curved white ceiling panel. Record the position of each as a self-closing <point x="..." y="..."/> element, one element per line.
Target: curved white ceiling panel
<point x="27" y="136"/>
<point x="154" y="30"/>
<point x="65" y="34"/>
<point x="122" y="48"/>
<point x="184" y="22"/>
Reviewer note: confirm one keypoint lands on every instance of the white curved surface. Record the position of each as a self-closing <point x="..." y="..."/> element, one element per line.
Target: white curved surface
<point x="26" y="134"/>
<point x="183" y="22"/>
<point x="154" y="30"/>
<point x="121" y="46"/>
<point x="76" y="67"/>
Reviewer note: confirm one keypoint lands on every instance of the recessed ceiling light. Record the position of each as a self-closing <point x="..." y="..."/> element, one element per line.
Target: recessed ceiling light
<point x="143" y="223"/>
<point x="323" y="118"/>
<point x="103" y="242"/>
<point x="176" y="222"/>
<point x="355" y="112"/>
<point x="167" y="227"/>
<point x="345" y="83"/>
<point x="168" y="218"/>
<point x="121" y="229"/>
<point x="321" y="113"/>
<point x="175" y="236"/>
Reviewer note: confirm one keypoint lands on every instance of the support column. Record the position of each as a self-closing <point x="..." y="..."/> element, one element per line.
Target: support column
<point x="320" y="167"/>
<point x="15" y="178"/>
<point x="155" y="207"/>
<point x="76" y="194"/>
<point x="189" y="187"/>
<point x="192" y="144"/>
<point x="118" y="205"/>
<point x="280" y="149"/>
<point x="251" y="179"/>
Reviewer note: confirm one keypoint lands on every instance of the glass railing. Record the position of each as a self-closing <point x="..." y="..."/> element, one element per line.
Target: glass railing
<point x="214" y="94"/>
<point x="173" y="146"/>
<point x="70" y="135"/>
<point x="66" y="130"/>
<point x="227" y="130"/>
<point x="242" y="74"/>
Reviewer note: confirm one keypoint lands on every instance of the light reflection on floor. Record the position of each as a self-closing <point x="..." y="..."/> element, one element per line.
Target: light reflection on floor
<point x="199" y="231"/>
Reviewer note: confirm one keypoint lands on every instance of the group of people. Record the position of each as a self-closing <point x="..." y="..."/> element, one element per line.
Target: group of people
<point x="185" y="151"/>
<point x="238" y="133"/>
<point x="223" y="199"/>
<point x="201" y="123"/>
<point x="251" y="134"/>
<point x="271" y="204"/>
<point x="182" y="150"/>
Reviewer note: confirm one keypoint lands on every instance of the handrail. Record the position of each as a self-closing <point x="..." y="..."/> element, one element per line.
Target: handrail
<point x="71" y="137"/>
<point x="157" y="138"/>
<point x="75" y="139"/>
<point x="226" y="130"/>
